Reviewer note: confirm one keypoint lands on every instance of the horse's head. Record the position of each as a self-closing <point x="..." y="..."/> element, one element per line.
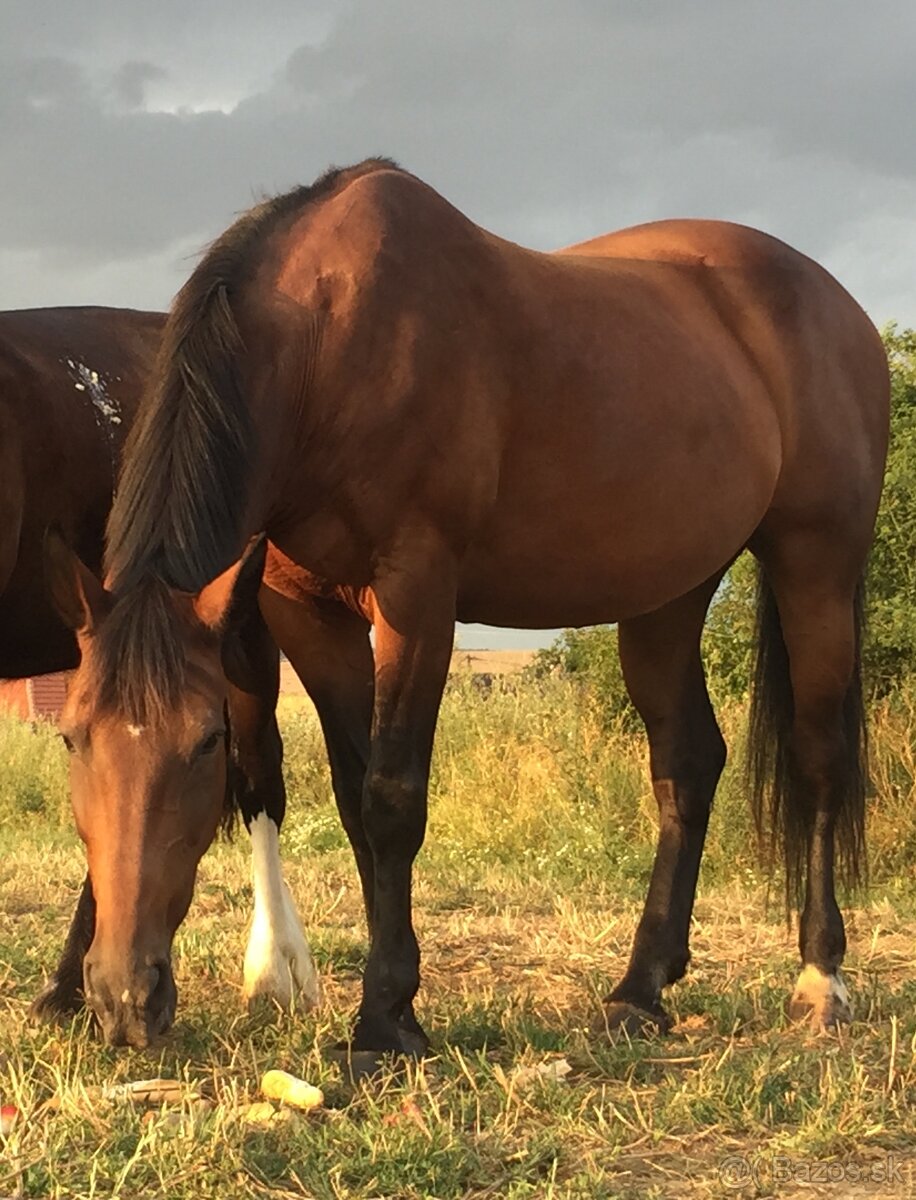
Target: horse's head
<point x="145" y="725"/>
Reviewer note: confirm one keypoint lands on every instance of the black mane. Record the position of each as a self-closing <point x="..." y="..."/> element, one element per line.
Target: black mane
<point x="181" y="493"/>
<point x="176" y="522"/>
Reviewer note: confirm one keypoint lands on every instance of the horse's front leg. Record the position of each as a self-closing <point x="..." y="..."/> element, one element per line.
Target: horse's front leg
<point x="278" y="964"/>
<point x="414" y="618"/>
<point x="63" y="993"/>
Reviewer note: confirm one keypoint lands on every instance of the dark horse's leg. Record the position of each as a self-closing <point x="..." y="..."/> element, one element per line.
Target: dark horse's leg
<point x="278" y="964"/>
<point x="660" y="656"/>
<point x="414" y="618"/>
<point x="63" y="994"/>
<point x="328" y="645"/>
<point x="814" y="702"/>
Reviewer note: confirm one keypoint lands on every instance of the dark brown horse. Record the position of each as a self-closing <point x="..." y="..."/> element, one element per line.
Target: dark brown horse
<point x="431" y="423"/>
<point x="70" y="382"/>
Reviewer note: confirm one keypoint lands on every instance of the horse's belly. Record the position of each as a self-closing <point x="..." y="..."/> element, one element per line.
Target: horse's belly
<point x="582" y="555"/>
<point x="565" y="585"/>
<point x="520" y="598"/>
<point x="33" y="640"/>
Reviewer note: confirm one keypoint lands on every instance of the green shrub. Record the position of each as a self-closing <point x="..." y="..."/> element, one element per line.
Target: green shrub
<point x="33" y="781"/>
<point x="590" y="658"/>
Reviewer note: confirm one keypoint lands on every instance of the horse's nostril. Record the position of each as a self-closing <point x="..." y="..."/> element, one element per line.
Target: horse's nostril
<point x="160" y="982"/>
<point x="88" y="986"/>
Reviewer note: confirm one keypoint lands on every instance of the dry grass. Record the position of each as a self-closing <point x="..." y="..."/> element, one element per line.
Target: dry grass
<point x="528" y="891"/>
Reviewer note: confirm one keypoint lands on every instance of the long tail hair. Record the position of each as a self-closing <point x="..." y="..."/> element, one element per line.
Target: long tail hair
<point x="782" y="811"/>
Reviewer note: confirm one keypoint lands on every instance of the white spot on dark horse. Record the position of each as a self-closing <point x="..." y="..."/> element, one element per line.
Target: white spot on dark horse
<point x="85" y="379"/>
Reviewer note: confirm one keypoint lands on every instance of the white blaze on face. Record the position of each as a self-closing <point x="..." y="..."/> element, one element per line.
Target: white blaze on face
<point x="278" y="963"/>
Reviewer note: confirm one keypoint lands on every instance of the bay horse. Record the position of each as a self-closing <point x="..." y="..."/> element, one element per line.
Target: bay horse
<point x="70" y="383"/>
<point x="370" y="412"/>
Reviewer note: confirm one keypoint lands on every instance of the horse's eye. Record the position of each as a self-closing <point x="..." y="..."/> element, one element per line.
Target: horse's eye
<point x="68" y="742"/>
<point x="210" y="743"/>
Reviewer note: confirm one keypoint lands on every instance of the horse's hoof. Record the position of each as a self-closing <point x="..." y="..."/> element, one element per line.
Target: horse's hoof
<point x="357" y="1065"/>
<point x="372" y="1050"/>
<point x="634" y="1022"/>
<point x="56" y="1002"/>
<point x="413" y="1041"/>
<point x="820" y="1000"/>
<point x="280" y="972"/>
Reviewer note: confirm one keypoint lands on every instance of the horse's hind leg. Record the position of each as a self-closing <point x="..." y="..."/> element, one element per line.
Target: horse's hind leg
<point x="63" y="993"/>
<point x="660" y="656"/>
<point x="814" y="737"/>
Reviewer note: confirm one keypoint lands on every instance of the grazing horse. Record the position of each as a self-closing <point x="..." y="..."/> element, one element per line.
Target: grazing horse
<point x="429" y="423"/>
<point x="70" y="381"/>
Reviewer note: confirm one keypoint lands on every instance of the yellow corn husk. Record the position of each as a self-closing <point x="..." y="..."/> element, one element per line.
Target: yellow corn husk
<point x="280" y="1085"/>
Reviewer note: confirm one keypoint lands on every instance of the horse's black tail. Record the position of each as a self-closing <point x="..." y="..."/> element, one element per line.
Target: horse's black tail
<point x="780" y="804"/>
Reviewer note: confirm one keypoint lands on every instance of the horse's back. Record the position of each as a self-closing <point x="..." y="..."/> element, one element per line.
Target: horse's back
<point x="776" y="300"/>
<point x="628" y="410"/>
<point x="689" y="242"/>
<point x="44" y="339"/>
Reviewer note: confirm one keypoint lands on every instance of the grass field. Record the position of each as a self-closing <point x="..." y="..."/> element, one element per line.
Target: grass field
<point x="528" y="889"/>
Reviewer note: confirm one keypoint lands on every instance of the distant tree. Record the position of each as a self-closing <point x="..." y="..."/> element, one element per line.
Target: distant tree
<point x="728" y="641"/>
<point x="590" y="656"/>
<point x="728" y="638"/>
<point x="890" y="651"/>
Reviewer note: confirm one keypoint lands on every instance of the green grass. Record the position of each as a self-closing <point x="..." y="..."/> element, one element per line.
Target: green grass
<point x="528" y="889"/>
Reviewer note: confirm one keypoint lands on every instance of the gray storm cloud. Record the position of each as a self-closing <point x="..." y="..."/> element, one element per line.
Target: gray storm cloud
<point x="131" y="133"/>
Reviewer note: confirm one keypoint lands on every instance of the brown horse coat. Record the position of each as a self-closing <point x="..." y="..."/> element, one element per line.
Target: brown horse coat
<point x="70" y="381"/>
<point x="641" y="389"/>
<point x="431" y="423"/>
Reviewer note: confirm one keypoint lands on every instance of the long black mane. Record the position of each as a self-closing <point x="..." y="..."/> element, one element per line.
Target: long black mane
<point x="176" y="522"/>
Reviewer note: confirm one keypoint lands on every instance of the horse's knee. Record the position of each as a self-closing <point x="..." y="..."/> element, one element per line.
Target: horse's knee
<point x="394" y="810"/>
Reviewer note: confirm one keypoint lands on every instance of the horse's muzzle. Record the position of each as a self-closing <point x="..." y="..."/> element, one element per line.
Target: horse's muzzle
<point x="132" y="1009"/>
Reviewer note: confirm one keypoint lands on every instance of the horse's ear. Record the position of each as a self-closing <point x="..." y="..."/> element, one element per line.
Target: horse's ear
<point x="80" y="599"/>
<point x="226" y="601"/>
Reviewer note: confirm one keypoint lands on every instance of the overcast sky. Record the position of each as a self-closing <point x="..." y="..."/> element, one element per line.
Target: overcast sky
<point x="132" y="131"/>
